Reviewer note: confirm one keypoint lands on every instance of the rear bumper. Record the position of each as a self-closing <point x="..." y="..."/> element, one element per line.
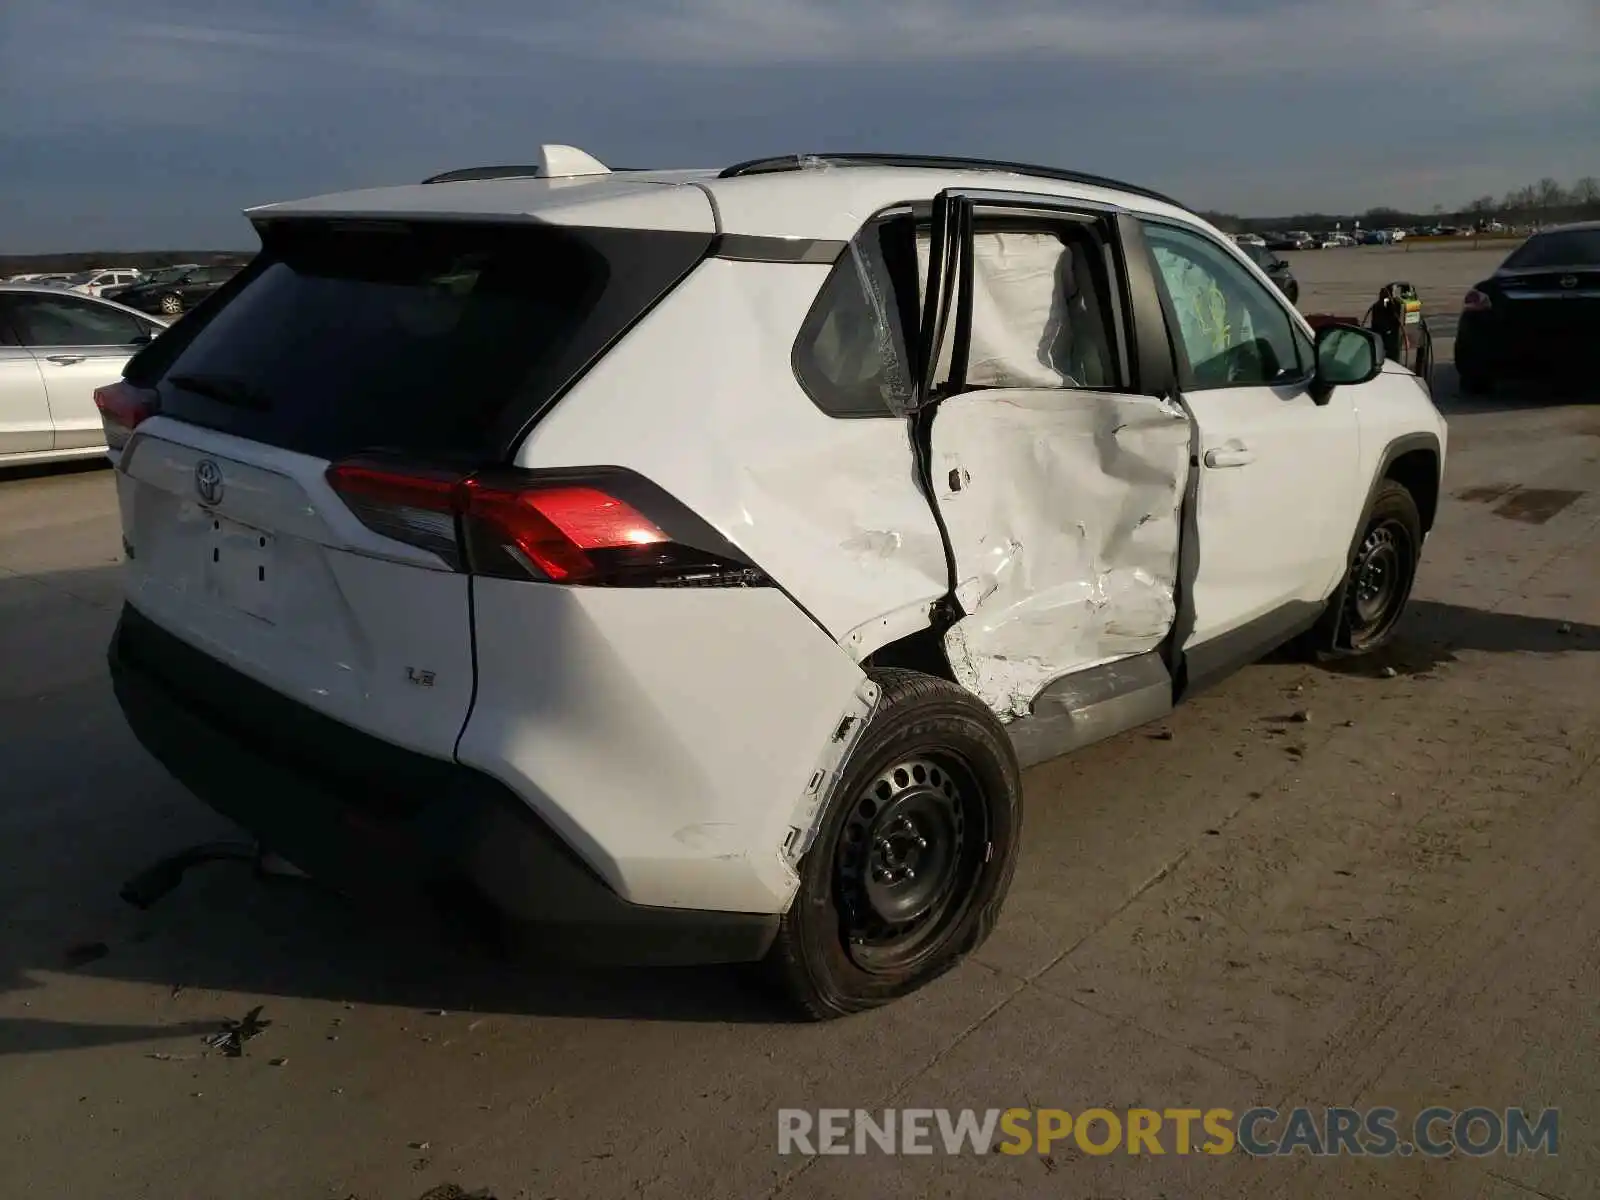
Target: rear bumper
<point x="386" y="824"/>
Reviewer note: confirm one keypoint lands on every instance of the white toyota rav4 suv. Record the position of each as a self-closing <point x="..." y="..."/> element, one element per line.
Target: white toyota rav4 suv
<point x="686" y="562"/>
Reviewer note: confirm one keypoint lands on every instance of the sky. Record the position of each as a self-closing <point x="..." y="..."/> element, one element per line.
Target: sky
<point x="153" y="123"/>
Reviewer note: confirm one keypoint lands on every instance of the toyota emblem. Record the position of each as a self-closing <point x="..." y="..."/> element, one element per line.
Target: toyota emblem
<point x="208" y="481"/>
<point x="1569" y="281"/>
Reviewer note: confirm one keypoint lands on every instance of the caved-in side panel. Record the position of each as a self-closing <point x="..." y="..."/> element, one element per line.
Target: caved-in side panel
<point x="700" y="399"/>
<point x="1063" y="511"/>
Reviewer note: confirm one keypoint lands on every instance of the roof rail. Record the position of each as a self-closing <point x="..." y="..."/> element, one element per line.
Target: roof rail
<point x="795" y="162"/>
<point x="469" y="173"/>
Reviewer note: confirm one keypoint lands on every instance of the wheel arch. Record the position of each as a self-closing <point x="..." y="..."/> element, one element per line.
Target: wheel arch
<point x="1414" y="461"/>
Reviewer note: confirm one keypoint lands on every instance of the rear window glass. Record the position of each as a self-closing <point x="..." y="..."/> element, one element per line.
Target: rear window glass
<point x="852" y="355"/>
<point x="1565" y="248"/>
<point x="435" y="339"/>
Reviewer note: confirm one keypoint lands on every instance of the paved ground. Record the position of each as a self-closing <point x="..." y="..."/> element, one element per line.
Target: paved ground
<point x="1392" y="902"/>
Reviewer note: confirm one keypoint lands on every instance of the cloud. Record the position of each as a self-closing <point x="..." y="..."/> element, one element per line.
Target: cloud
<point x="178" y="108"/>
<point x="1312" y="36"/>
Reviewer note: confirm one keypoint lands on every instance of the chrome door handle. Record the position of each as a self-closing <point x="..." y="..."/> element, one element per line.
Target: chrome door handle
<point x="66" y="360"/>
<point x="1230" y="456"/>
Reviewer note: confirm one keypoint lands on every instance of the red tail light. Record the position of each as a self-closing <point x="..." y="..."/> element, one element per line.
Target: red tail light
<point x="122" y="407"/>
<point x="604" y="527"/>
<point x="1476" y="301"/>
<point x="414" y="506"/>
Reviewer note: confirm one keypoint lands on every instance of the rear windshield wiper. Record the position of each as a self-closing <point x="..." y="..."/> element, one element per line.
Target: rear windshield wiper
<point x="227" y="388"/>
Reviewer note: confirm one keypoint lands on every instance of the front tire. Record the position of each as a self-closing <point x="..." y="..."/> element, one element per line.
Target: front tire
<point x="914" y="855"/>
<point x="1378" y="583"/>
<point x="170" y="305"/>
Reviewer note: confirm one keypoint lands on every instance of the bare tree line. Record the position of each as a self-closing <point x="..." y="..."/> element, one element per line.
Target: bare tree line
<point x="1547" y="202"/>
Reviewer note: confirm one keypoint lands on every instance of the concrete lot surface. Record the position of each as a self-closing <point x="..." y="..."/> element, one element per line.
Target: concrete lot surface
<point x="1390" y="902"/>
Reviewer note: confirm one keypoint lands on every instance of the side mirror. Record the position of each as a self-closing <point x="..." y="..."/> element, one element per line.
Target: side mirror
<point x="1346" y="355"/>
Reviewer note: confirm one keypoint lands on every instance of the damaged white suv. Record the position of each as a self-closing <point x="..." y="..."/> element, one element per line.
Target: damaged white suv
<point x="686" y="562"/>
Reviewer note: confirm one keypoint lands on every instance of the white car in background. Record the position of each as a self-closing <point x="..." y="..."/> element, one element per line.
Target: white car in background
<point x="93" y="283"/>
<point x="56" y="349"/>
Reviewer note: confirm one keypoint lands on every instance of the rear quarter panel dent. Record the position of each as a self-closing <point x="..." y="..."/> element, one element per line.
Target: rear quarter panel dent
<point x="700" y="398"/>
<point x="668" y="735"/>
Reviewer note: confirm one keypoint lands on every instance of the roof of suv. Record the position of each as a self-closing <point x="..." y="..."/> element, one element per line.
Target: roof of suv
<point x="827" y="197"/>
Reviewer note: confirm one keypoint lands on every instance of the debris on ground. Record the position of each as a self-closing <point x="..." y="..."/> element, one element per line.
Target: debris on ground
<point x="162" y="1057"/>
<point x="277" y="1062"/>
<point x="83" y="954"/>
<point x="1161" y="735"/>
<point x="1388" y="673"/>
<point x="418" y="1145"/>
<point x="234" y="1034"/>
<point x="1564" y="627"/>
<point x="1301" y="716"/>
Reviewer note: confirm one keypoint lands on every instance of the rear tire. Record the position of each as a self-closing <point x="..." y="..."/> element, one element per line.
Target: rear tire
<point x="913" y="857"/>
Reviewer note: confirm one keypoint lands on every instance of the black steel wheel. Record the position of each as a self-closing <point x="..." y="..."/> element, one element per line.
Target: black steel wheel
<point x="1382" y="571"/>
<point x="911" y="849"/>
<point x="914" y="854"/>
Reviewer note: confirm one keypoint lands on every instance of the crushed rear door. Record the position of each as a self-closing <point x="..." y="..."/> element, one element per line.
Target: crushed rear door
<point x="1058" y="460"/>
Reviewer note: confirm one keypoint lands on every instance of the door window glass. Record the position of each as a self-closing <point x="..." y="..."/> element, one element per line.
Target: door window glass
<point x="1234" y="330"/>
<point x="64" y="321"/>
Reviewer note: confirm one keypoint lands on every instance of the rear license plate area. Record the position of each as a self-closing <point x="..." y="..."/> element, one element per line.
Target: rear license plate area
<point x="239" y="567"/>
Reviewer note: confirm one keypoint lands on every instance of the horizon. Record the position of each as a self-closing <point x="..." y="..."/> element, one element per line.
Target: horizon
<point x="160" y="127"/>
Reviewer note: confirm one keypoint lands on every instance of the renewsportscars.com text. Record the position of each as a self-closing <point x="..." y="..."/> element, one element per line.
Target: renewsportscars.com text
<point x="1380" y="1131"/>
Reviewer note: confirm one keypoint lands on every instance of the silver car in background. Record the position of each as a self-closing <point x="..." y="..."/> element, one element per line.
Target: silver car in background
<point x="56" y="348"/>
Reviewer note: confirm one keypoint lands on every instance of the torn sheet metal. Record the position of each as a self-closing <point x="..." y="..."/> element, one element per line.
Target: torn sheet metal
<point x="1063" y="509"/>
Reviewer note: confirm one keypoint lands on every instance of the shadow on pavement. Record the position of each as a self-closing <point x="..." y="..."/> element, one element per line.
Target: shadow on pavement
<point x="1511" y="395"/>
<point x="1431" y="633"/>
<point x="28" y="1035"/>
<point x="77" y="466"/>
<point x="85" y="808"/>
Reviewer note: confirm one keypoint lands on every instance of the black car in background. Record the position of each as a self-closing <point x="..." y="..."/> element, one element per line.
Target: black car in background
<point x="173" y="290"/>
<point x="1538" y="314"/>
<point x="1276" y="270"/>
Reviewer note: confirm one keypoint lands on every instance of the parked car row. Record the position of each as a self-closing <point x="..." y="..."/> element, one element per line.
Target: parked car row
<point x="172" y="290"/>
<point x="167" y="291"/>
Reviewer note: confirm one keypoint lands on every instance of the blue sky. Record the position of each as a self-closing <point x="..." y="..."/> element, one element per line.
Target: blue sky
<point x="153" y="123"/>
